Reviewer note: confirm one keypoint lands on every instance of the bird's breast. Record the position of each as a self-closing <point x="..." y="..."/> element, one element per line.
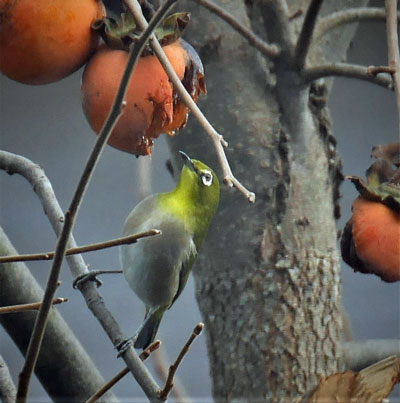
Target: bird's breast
<point x="152" y="266"/>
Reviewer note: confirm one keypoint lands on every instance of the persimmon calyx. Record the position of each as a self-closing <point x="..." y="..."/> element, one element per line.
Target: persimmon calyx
<point x="120" y="34"/>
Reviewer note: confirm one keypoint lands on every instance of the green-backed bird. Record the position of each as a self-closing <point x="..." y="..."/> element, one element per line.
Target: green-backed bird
<point x="157" y="268"/>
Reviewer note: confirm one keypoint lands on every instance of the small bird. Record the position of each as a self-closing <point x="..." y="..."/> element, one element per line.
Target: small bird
<point x="157" y="268"/>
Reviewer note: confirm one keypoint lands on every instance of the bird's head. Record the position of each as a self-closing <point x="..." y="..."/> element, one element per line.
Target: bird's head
<point x="199" y="183"/>
<point x="195" y="199"/>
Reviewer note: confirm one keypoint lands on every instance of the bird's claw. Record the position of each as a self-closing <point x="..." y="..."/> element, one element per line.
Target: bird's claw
<point x="124" y="345"/>
<point x="91" y="276"/>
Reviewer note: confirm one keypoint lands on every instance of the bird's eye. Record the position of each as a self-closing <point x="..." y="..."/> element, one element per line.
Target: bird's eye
<point x="206" y="178"/>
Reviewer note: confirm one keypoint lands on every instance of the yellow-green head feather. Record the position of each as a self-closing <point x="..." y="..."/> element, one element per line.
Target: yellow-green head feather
<point x="195" y="198"/>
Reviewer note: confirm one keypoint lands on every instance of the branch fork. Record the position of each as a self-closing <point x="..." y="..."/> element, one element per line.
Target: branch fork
<point x="169" y="384"/>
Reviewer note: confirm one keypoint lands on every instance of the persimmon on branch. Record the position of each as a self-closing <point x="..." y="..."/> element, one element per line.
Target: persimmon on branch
<point x="217" y="139"/>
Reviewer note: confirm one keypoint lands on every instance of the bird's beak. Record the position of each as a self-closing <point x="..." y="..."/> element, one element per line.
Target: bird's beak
<point x="187" y="161"/>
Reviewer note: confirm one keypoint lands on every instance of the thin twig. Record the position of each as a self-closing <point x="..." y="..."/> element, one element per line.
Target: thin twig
<point x="160" y="363"/>
<point x="306" y="33"/>
<point x="127" y="240"/>
<point x="107" y="386"/>
<point x="393" y="48"/>
<point x="270" y="51"/>
<point x="347" y="16"/>
<point x="345" y="70"/>
<point x="298" y="13"/>
<point x="375" y="70"/>
<point x="173" y="368"/>
<point x="29" y="307"/>
<point x="70" y="216"/>
<point x="217" y="139"/>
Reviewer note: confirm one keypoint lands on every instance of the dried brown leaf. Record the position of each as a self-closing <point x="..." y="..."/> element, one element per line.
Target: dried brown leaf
<point x="371" y="385"/>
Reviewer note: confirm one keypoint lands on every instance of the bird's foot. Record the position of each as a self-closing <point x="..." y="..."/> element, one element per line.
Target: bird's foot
<point x="92" y="276"/>
<point x="124" y="345"/>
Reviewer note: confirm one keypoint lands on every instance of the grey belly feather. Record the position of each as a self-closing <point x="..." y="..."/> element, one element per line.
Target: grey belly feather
<point x="152" y="266"/>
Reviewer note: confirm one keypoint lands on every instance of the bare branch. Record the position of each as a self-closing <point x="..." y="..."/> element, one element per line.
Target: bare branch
<point x="375" y="70"/>
<point x="217" y="139"/>
<point x="127" y="240"/>
<point x="64" y="367"/>
<point x="271" y="51"/>
<point x="7" y="387"/>
<point x="306" y="34"/>
<point x="34" y="174"/>
<point x="107" y="386"/>
<point x="361" y="354"/>
<point x="178" y="392"/>
<point x="347" y="16"/>
<point x="275" y="14"/>
<point x="29" y="307"/>
<point x="173" y="368"/>
<point x="393" y="48"/>
<point x="70" y="216"/>
<point x="345" y="70"/>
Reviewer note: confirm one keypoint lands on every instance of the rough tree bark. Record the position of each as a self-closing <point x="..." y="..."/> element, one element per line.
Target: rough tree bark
<point x="268" y="283"/>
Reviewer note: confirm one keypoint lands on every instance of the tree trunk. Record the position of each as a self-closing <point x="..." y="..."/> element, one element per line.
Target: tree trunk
<point x="268" y="282"/>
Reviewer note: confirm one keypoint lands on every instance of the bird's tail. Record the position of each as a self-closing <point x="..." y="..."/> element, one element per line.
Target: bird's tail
<point x="149" y="328"/>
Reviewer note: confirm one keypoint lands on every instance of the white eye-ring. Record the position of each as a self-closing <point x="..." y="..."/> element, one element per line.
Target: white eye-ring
<point x="206" y="178"/>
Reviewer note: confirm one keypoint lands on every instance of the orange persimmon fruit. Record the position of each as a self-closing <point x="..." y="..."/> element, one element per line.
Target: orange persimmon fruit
<point x="152" y="106"/>
<point x="42" y="41"/>
<point x="376" y="236"/>
<point x="371" y="238"/>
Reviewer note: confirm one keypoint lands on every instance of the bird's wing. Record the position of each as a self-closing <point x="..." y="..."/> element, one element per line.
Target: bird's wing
<point x="185" y="270"/>
<point x="138" y="219"/>
<point x="162" y="262"/>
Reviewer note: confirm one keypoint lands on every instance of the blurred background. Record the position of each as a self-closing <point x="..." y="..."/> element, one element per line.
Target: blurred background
<point x="46" y="125"/>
